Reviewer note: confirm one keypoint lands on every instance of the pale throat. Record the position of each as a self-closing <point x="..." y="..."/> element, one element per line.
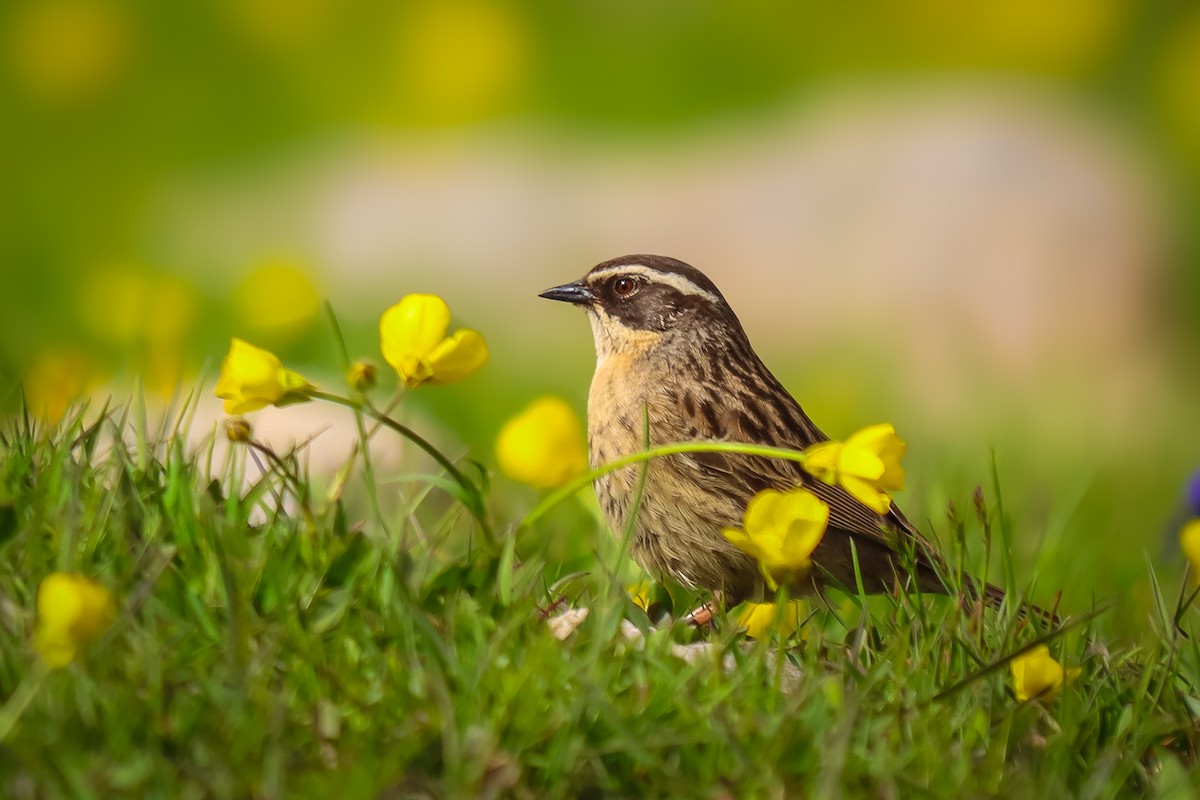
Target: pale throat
<point x="615" y="339"/>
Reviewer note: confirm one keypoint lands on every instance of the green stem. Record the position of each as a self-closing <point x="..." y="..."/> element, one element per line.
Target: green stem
<point x="21" y="697"/>
<point x="562" y="493"/>
<point x="363" y="436"/>
<point x="471" y="491"/>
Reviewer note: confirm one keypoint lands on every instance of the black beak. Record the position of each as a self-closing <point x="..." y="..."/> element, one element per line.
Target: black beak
<point x="576" y="293"/>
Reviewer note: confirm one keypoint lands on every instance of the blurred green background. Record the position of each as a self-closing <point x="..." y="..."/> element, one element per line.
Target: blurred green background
<point x="976" y="221"/>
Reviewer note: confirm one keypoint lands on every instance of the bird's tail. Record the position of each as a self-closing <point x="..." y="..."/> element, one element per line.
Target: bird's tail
<point x="932" y="581"/>
<point x="995" y="597"/>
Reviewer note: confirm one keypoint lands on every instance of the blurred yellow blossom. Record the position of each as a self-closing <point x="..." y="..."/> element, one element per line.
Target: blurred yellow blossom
<point x="412" y="336"/>
<point x="1062" y="37"/>
<point x="1178" y="79"/>
<point x="125" y="305"/>
<point x="68" y="50"/>
<point x="1189" y="542"/>
<point x="781" y="530"/>
<point x="759" y="619"/>
<point x="55" y="380"/>
<point x="459" y="59"/>
<point x="544" y="445"/>
<point x="277" y="298"/>
<point x="252" y="378"/>
<point x="148" y="315"/>
<point x="282" y="26"/>
<point x="639" y="593"/>
<point x="72" y="613"/>
<point x="1036" y="675"/>
<point x="867" y="465"/>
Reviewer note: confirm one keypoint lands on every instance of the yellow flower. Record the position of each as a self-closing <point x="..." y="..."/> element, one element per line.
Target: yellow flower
<point x="759" y="619"/>
<point x="1189" y="542"/>
<point x="278" y="299"/>
<point x="543" y="446"/>
<point x="69" y="51"/>
<point x="781" y="530"/>
<point x="54" y="381"/>
<point x="1037" y="675"/>
<point x="412" y="336"/>
<point x="252" y="378"/>
<point x="128" y="306"/>
<point x="867" y="465"/>
<point x="72" y="613"/>
<point x="639" y="593"/>
<point x="490" y="58"/>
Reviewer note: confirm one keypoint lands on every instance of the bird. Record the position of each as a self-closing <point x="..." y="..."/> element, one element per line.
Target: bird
<point x="674" y="364"/>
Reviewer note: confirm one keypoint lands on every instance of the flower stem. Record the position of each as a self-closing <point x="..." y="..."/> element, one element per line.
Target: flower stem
<point x="21" y="697"/>
<point x="562" y="493"/>
<point x="472" y="498"/>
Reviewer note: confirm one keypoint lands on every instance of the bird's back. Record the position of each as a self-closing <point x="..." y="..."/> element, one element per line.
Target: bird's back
<point x="722" y="392"/>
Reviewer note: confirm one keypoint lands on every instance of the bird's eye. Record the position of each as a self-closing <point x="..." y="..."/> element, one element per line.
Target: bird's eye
<point x="624" y="287"/>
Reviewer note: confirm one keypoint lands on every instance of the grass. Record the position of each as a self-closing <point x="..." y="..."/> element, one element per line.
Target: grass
<point x="281" y="638"/>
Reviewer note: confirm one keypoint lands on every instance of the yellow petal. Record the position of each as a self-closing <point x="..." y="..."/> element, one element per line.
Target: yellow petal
<point x="1036" y="674"/>
<point x="1189" y="542"/>
<point x="860" y="462"/>
<point x="59" y="602"/>
<point x="882" y="441"/>
<point x="762" y="509"/>
<point x="759" y="619"/>
<point x="821" y="460"/>
<point x="544" y="445"/>
<point x="738" y="538"/>
<point x="781" y="531"/>
<point x="410" y="330"/>
<point x="873" y="437"/>
<point x="250" y="378"/>
<point x="53" y="382"/>
<point x="458" y="356"/>
<point x="866" y="493"/>
<point x="639" y="593"/>
<point x="55" y="647"/>
<point x="805" y="530"/>
<point x="278" y="296"/>
<point x="72" y="612"/>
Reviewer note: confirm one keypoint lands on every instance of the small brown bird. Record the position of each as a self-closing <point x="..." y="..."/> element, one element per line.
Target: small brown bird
<point x="670" y="349"/>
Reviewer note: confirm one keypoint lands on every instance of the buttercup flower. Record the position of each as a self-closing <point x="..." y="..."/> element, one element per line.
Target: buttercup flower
<point x="759" y="619"/>
<point x="278" y="299"/>
<point x="867" y="465"/>
<point x="639" y="593"/>
<point x="1189" y="542"/>
<point x="1036" y="674"/>
<point x="252" y="378"/>
<point x="53" y="382"/>
<point x="543" y="446"/>
<point x="412" y="336"/>
<point x="72" y="613"/>
<point x="781" y="530"/>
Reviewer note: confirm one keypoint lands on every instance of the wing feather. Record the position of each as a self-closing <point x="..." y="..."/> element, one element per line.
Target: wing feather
<point x="787" y="426"/>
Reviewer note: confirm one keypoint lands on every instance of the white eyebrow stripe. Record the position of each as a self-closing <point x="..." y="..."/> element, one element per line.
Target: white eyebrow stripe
<point x="672" y="279"/>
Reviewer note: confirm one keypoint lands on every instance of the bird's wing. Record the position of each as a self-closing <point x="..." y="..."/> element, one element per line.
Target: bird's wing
<point x="788" y="426"/>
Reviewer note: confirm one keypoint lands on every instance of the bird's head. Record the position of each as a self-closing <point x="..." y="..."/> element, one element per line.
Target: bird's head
<point x="637" y="302"/>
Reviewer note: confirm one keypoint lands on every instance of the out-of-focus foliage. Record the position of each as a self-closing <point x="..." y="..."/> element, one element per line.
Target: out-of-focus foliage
<point x="126" y="122"/>
<point x="105" y="100"/>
